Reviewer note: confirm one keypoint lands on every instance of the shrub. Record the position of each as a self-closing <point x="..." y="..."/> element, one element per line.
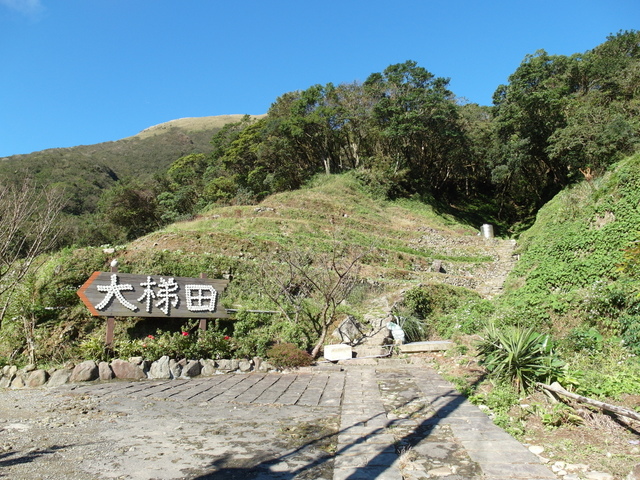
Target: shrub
<point x="208" y="344"/>
<point x="287" y="355"/>
<point x="430" y="309"/>
<point x="519" y="356"/>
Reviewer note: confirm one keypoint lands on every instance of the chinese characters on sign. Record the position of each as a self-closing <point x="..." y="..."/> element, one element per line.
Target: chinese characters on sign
<point x="119" y="294"/>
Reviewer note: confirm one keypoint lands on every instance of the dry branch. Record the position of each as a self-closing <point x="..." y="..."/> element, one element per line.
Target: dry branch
<point x="625" y="412"/>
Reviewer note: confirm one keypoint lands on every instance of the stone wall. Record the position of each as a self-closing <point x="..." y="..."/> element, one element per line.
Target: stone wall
<point x="135" y="368"/>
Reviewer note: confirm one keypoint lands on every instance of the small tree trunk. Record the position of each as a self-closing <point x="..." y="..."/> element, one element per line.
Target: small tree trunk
<point x="315" y="353"/>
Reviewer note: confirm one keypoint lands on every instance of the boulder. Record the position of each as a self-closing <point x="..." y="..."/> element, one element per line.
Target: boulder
<point x="227" y="365"/>
<point x="175" y="368"/>
<point x="37" y="378"/>
<point x="191" y="369"/>
<point x="160" y="368"/>
<point x="59" y="377"/>
<point x="85" y="372"/>
<point x="18" y="382"/>
<point x="208" y="367"/>
<point x="245" y="365"/>
<point x="5" y="381"/>
<point x="124" y="369"/>
<point x="105" y="372"/>
<point x="349" y="331"/>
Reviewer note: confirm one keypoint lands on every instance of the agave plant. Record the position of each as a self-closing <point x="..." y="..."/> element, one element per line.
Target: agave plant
<point x="518" y="355"/>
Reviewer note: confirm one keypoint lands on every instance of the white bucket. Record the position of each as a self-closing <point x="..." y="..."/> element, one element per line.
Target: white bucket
<point x="487" y="230"/>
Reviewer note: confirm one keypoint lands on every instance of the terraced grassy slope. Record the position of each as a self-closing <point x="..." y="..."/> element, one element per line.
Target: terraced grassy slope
<point x="407" y="243"/>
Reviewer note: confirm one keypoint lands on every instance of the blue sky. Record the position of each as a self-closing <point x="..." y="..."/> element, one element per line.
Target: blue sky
<point x="78" y="72"/>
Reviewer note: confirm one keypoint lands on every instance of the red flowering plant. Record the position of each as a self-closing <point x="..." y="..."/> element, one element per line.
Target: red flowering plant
<point x="186" y="343"/>
<point x="214" y="344"/>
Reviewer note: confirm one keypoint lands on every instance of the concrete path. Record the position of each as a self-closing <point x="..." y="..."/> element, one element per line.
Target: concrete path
<point x="387" y="421"/>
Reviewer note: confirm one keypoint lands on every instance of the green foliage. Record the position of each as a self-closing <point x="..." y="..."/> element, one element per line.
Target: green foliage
<point x="288" y="355"/>
<point x="610" y="373"/>
<point x="254" y="333"/>
<point x="570" y="259"/>
<point x="431" y="309"/>
<point x="207" y="344"/>
<point x="500" y="400"/>
<point x="129" y="211"/>
<point x="583" y="339"/>
<point x="518" y="356"/>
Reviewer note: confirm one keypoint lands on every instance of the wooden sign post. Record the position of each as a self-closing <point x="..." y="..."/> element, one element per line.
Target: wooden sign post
<point x="114" y="294"/>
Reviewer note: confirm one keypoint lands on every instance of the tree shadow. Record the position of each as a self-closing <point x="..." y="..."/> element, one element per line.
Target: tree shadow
<point x="261" y="469"/>
<point x="9" y="459"/>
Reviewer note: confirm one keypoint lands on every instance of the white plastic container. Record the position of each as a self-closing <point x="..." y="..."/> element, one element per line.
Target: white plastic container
<point x="487" y="230"/>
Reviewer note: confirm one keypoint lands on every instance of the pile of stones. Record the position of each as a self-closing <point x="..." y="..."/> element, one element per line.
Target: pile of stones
<point x="135" y="368"/>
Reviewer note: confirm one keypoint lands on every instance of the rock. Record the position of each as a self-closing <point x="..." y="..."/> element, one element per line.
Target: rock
<point x="227" y="365"/>
<point x="536" y="449"/>
<point x="124" y="369"/>
<point x="105" y="372"/>
<point x="337" y="352"/>
<point x="175" y="368"/>
<point x="440" y="471"/>
<point x="266" y="367"/>
<point x="576" y="467"/>
<point x="59" y="377"/>
<point x="245" y="365"/>
<point x="85" y="372"/>
<point x="558" y="466"/>
<point x="17" y="382"/>
<point x="192" y="369"/>
<point x="160" y="368"/>
<point x="635" y="473"/>
<point x="208" y="367"/>
<point x="136" y="360"/>
<point x="256" y="363"/>
<point x="349" y="331"/>
<point x="37" y="378"/>
<point x="5" y="381"/>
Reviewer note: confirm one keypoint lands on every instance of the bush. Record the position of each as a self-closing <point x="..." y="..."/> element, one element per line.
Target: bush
<point x="208" y="344"/>
<point x="431" y="309"/>
<point x="519" y="356"/>
<point x="287" y="355"/>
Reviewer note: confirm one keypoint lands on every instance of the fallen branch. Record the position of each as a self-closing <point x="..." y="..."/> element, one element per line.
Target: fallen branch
<point x="555" y="387"/>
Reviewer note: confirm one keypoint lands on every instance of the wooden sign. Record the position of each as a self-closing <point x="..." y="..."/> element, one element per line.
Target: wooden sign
<point x="127" y="295"/>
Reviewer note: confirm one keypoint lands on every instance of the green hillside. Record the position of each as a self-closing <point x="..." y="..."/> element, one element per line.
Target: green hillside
<point x="575" y="267"/>
<point x="86" y="171"/>
<point x="399" y="242"/>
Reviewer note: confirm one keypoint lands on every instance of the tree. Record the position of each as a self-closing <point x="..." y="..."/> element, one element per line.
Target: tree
<point x="418" y="125"/>
<point x="308" y="287"/>
<point x="29" y="226"/>
<point x="131" y="209"/>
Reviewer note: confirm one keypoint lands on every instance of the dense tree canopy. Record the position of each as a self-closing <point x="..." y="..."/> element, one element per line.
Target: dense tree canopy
<point x="403" y="132"/>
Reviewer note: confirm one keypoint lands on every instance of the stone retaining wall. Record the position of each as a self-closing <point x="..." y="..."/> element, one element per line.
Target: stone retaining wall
<point x="135" y="368"/>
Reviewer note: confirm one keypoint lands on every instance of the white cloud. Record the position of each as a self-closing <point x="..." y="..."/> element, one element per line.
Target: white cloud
<point x="26" y="7"/>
